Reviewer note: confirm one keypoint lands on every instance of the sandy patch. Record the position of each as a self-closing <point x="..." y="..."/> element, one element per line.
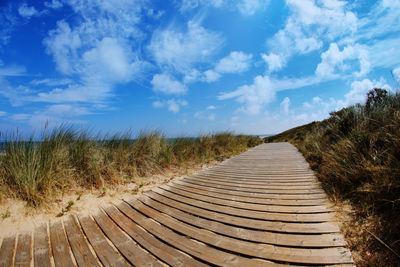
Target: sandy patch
<point x="16" y="216"/>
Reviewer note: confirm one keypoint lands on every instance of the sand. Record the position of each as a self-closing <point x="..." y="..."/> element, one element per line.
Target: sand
<point x="16" y="216"/>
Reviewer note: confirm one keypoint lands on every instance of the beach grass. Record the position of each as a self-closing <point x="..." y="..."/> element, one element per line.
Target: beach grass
<point x="36" y="169"/>
<point x="356" y="155"/>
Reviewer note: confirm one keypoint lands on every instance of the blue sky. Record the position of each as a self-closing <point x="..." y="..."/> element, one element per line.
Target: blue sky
<point x="191" y="66"/>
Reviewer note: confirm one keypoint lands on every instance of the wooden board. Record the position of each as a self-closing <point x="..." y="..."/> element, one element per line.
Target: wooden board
<point x="23" y="254"/>
<point x="263" y="207"/>
<point x="79" y="246"/>
<point x="60" y="246"/>
<point x="7" y="250"/>
<point x="41" y="247"/>
<point x="104" y="251"/>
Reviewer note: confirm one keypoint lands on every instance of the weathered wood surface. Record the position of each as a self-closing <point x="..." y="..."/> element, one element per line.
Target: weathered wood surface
<point x="262" y="208"/>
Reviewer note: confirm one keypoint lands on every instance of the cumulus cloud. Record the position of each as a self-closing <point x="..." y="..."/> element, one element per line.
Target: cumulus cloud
<point x="235" y="62"/>
<point x="54" y="4"/>
<point x="211" y="107"/>
<point x="396" y="74"/>
<point x="359" y="90"/>
<point x="244" y="7"/>
<point x="205" y="115"/>
<point x="285" y="105"/>
<point x="250" y="7"/>
<point x="310" y="24"/>
<point x="188" y="5"/>
<point x="99" y="50"/>
<point x="167" y="84"/>
<point x="253" y="96"/>
<point x="335" y="61"/>
<point x="274" y="61"/>
<point x="27" y="11"/>
<point x="181" y="49"/>
<point x="211" y="76"/>
<point x="12" y="71"/>
<point x="171" y="104"/>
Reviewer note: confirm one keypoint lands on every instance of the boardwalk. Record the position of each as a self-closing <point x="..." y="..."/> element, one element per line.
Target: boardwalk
<point x="261" y="208"/>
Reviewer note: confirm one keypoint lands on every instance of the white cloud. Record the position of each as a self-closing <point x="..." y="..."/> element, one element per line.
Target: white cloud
<point x="235" y="62"/>
<point x="204" y="115"/>
<point x="51" y="82"/>
<point x="54" y="4"/>
<point x="111" y="61"/>
<point x="62" y="44"/>
<point x="172" y="105"/>
<point x="396" y="74"/>
<point x="253" y="96"/>
<point x="188" y="5"/>
<point x="62" y="109"/>
<point x="98" y="50"/>
<point x="20" y="117"/>
<point x="384" y="53"/>
<point x="211" y="76"/>
<point x="310" y="24"/>
<point x="12" y="71"/>
<point x="336" y="62"/>
<point x="167" y="84"/>
<point x="274" y="61"/>
<point x="27" y="11"/>
<point x="181" y="50"/>
<point x="250" y="7"/>
<point x="9" y="21"/>
<point x="316" y="100"/>
<point x="382" y="19"/>
<point x="2" y="113"/>
<point x="359" y="90"/>
<point x="285" y="106"/>
<point x="211" y="107"/>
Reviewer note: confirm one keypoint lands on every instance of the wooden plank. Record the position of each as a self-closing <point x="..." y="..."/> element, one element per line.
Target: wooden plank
<point x="196" y="249"/>
<point x="310" y="228"/>
<point x="23" y="254"/>
<point x="60" y="246"/>
<point x="264" y="251"/>
<point x="247" y="206"/>
<point x="7" y="250"/>
<point x="161" y="250"/>
<point x="273" y="202"/>
<point x="294" y="188"/>
<point x="264" y="181"/>
<point x="131" y="251"/>
<point x="80" y="248"/>
<point x="104" y="251"/>
<point x="268" y="216"/>
<point x="294" y="240"/>
<point x="255" y="195"/>
<point x="41" y="247"/>
<point x="255" y="190"/>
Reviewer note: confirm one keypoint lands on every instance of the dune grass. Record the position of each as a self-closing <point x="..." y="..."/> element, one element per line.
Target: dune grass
<point x="356" y="154"/>
<point x="64" y="158"/>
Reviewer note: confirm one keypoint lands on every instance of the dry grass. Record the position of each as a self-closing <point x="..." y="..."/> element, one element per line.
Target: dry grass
<point x="64" y="158"/>
<point x="356" y="154"/>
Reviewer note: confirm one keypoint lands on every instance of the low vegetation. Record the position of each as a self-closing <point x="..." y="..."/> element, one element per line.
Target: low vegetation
<point x="356" y="155"/>
<point x="65" y="158"/>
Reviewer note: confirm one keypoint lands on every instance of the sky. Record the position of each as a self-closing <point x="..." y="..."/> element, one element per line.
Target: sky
<point x="187" y="67"/>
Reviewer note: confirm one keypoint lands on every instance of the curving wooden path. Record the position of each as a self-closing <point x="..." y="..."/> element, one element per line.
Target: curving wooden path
<point x="261" y="208"/>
